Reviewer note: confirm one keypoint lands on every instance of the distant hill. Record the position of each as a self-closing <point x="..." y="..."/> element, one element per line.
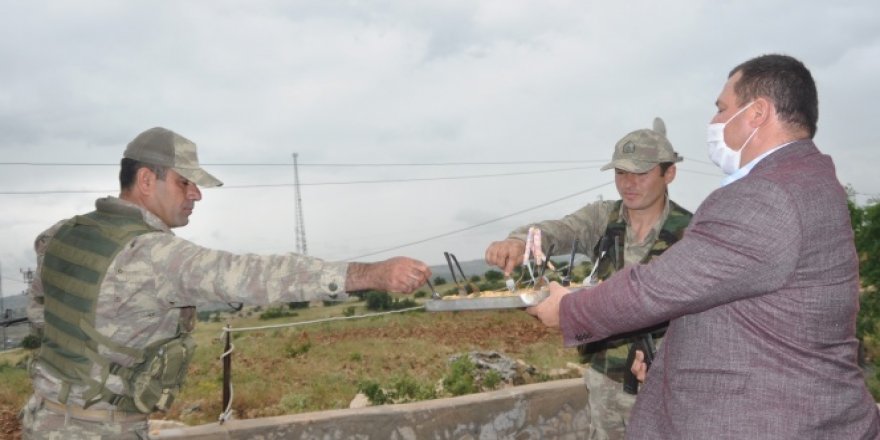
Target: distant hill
<point x="470" y="268"/>
<point x="479" y="267"/>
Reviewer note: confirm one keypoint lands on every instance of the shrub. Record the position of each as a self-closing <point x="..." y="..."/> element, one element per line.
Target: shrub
<point x="439" y="280"/>
<point x="493" y="275"/>
<point x="491" y="379"/>
<point x="378" y="300"/>
<point x="31" y="342"/>
<point x="294" y="350"/>
<point x="374" y="392"/>
<point x="348" y="311"/>
<point x="420" y="294"/>
<point x="276" y="312"/>
<point x="460" y="380"/>
<point x="298" y="305"/>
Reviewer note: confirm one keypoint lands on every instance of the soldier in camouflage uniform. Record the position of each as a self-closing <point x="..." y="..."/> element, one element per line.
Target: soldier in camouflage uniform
<point x="638" y="227"/>
<point x="116" y="290"/>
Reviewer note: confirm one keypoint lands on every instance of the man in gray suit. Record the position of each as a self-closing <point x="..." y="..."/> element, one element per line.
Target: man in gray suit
<point x="761" y="292"/>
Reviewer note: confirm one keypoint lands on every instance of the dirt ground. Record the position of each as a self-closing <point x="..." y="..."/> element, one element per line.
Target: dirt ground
<point x="443" y="329"/>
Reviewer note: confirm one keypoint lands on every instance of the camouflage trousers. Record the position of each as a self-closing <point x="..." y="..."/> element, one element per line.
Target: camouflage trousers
<point x="608" y="407"/>
<point x="38" y="422"/>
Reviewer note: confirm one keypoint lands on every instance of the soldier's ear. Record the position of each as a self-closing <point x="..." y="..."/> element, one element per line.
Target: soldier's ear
<point x="145" y="180"/>
<point x="669" y="176"/>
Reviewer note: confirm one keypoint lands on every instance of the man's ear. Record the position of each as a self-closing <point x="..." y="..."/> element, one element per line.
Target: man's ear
<point x="669" y="176"/>
<point x="763" y="111"/>
<point x="145" y="180"/>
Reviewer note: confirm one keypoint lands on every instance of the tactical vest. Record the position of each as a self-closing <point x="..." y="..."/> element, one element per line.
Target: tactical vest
<point x="608" y="356"/>
<point x="74" y="266"/>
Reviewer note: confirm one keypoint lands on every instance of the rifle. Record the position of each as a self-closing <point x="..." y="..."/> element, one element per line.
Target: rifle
<point x="645" y="343"/>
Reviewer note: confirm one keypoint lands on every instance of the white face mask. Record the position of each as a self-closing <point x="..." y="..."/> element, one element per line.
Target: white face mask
<point x="719" y="152"/>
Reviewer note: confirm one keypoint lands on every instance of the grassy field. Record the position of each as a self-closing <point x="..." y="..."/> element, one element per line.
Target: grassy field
<point x="321" y="366"/>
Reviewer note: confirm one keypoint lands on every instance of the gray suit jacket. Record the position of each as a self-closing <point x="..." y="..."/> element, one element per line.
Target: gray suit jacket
<point x="762" y="294"/>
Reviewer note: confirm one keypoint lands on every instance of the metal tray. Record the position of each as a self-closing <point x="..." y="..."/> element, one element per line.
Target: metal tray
<point x="487" y="303"/>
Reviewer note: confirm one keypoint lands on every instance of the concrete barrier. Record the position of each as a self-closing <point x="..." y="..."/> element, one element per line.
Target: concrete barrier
<point x="549" y="410"/>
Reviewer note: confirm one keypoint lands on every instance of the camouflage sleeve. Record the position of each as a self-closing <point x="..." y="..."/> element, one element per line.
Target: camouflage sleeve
<point x="586" y="224"/>
<point x="35" y="290"/>
<point x="190" y="274"/>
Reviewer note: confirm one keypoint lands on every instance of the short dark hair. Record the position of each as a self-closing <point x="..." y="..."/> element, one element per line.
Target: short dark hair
<point x="786" y="82"/>
<point x="128" y="169"/>
<point x="665" y="166"/>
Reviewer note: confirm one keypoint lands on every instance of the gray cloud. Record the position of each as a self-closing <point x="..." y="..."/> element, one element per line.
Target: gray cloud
<point x="396" y="81"/>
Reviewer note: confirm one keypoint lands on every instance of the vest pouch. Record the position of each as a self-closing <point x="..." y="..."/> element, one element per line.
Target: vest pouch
<point x="156" y="381"/>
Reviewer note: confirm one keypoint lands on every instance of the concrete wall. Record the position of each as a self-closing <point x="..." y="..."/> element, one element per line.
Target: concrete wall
<point x="549" y="410"/>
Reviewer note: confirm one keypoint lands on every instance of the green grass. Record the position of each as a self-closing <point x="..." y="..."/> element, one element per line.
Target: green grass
<point x="321" y="366"/>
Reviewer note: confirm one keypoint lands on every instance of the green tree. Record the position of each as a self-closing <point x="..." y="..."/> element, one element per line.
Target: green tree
<point x="867" y="236"/>
<point x="493" y="275"/>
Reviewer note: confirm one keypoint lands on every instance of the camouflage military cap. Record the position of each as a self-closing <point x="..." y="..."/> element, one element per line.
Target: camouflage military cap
<point x="641" y="150"/>
<point x="160" y="146"/>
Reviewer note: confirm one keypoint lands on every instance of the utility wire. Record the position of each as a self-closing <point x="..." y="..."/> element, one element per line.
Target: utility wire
<point x="416" y="179"/>
<point x="351" y="182"/>
<point x="15" y="280"/>
<point x="355" y="182"/>
<point x="318" y="164"/>
<point x="466" y="228"/>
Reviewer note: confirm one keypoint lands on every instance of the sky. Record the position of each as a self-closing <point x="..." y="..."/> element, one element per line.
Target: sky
<point x="419" y="126"/>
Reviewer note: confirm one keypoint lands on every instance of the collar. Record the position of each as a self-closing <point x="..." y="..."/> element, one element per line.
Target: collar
<point x="115" y="204"/>
<point x="744" y="171"/>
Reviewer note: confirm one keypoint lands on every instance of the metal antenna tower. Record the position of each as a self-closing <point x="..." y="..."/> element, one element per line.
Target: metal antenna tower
<point x="301" y="247"/>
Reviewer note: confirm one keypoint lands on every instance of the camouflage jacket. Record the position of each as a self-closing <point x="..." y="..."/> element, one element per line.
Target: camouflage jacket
<point x="158" y="277"/>
<point x="589" y="224"/>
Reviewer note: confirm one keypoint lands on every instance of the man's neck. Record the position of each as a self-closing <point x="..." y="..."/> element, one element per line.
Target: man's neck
<point x="642" y="220"/>
<point x="772" y="137"/>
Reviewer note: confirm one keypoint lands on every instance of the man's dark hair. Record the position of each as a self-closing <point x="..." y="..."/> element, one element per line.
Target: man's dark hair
<point x="786" y="82"/>
<point x="665" y="166"/>
<point x="128" y="169"/>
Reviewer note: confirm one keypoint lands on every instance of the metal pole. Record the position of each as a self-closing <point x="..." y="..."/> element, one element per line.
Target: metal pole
<point x="227" y="369"/>
<point x="2" y="309"/>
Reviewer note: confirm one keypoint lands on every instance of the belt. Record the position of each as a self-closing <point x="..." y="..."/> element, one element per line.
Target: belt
<point x="95" y="415"/>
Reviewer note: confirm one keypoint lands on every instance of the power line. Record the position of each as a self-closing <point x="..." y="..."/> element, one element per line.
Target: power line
<point x="318" y="164"/>
<point x="274" y="185"/>
<point x="466" y="228"/>
<point x="15" y="280"/>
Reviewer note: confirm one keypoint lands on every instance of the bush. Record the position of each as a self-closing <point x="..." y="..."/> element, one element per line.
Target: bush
<point x="420" y="294"/>
<point x="378" y="300"/>
<point x="276" y="312"/>
<point x="460" y="380"/>
<point x="31" y="342"/>
<point x="401" y="389"/>
<point x="295" y="350"/>
<point x="374" y="392"/>
<point x="439" y="280"/>
<point x="493" y="275"/>
<point x="298" y="305"/>
<point x="348" y="311"/>
<point x="491" y="379"/>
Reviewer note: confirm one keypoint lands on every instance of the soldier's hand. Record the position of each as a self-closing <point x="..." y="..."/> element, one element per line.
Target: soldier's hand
<point x="639" y="367"/>
<point x="398" y="274"/>
<point x="506" y="254"/>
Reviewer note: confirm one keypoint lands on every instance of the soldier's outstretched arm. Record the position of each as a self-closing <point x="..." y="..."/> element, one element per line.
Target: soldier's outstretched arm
<point x="398" y="274"/>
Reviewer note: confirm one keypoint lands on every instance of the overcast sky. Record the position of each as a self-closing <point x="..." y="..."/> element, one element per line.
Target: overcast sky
<point x="548" y="85"/>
